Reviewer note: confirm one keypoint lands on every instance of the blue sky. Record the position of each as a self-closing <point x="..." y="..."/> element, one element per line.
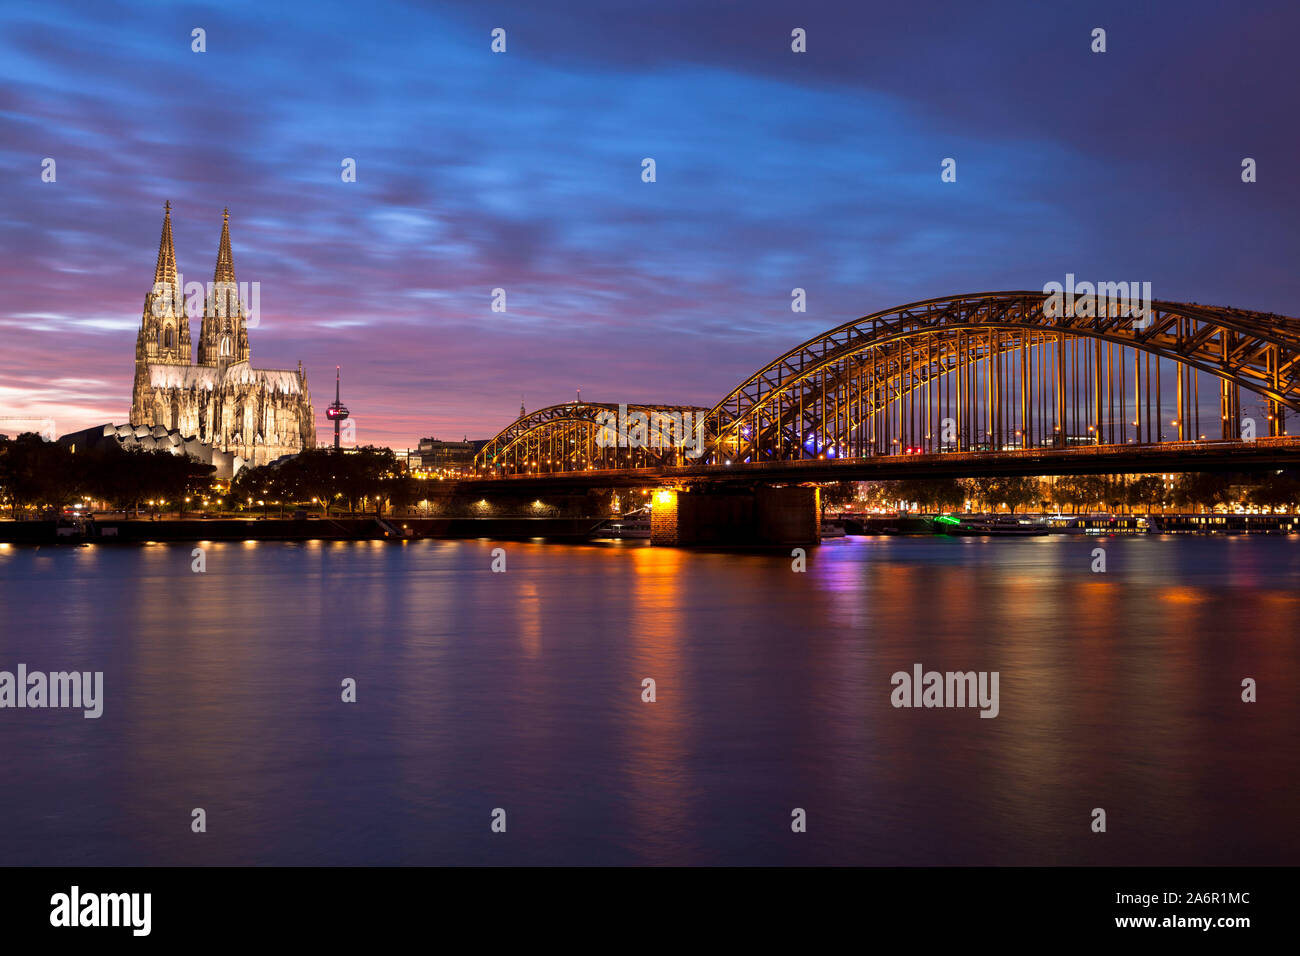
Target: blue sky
<point x="522" y="171"/>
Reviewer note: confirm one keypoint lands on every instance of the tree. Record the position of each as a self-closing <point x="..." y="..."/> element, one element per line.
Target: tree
<point x="947" y="494"/>
<point x="263" y="483"/>
<point x="366" y="475"/>
<point x="1115" y="492"/>
<point x="1018" y="491"/>
<point x="1078" y="491"/>
<point x="126" y="477"/>
<point x="1277" y="492"/>
<point x="876" y="493"/>
<point x="983" y="490"/>
<point x="362" y="473"/>
<point x="1147" y="491"/>
<point x="931" y="494"/>
<point x="837" y="494"/>
<point x="35" y="472"/>
<point x="1059" y="493"/>
<point x="1201" y="490"/>
<point x="401" y="491"/>
<point x="311" y="475"/>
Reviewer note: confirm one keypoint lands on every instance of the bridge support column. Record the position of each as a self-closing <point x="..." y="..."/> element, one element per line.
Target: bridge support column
<point x="766" y="516"/>
<point x="789" y="515"/>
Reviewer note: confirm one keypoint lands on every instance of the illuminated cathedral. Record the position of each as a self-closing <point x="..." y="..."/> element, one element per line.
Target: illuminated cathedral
<point x="257" y="415"/>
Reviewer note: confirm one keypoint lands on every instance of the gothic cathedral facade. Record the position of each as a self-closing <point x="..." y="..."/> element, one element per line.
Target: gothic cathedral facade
<point x="258" y="415"/>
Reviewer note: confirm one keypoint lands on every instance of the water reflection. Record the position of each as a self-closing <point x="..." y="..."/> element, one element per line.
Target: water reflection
<point x="523" y="690"/>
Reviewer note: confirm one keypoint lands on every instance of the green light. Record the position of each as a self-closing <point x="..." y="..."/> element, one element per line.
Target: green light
<point x="948" y="519"/>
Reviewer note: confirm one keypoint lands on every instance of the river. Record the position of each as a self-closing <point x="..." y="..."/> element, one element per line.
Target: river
<point x="522" y="691"/>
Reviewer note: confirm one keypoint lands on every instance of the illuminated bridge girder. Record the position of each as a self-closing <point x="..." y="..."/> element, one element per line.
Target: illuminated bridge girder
<point x="576" y="436"/>
<point x="997" y="371"/>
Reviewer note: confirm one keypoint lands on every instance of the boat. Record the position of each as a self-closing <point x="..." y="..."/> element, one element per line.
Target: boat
<point x="635" y="525"/>
<point x="1098" y="524"/>
<point x="996" y="526"/>
<point x="832" y="529"/>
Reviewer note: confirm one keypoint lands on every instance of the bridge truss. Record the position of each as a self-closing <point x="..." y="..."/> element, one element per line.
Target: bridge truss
<point x="1002" y="371"/>
<point x="589" y="436"/>
<point x="988" y="372"/>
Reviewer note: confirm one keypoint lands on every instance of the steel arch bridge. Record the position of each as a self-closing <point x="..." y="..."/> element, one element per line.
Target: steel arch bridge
<point x="1008" y="370"/>
<point x="990" y="372"/>
<point x="589" y="436"/>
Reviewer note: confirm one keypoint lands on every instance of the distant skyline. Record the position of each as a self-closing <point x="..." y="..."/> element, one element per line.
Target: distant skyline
<point x="522" y="171"/>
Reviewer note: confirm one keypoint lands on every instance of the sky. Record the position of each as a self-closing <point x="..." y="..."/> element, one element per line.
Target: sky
<point x="522" y="171"/>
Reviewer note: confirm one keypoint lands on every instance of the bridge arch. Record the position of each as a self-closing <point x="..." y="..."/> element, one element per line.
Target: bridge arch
<point x="587" y="436"/>
<point x="998" y="370"/>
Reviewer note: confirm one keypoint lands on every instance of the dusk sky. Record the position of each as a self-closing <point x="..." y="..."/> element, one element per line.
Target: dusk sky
<point x="522" y="171"/>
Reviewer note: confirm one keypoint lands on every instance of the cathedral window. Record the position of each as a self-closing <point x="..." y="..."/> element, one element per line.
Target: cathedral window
<point x="225" y="345"/>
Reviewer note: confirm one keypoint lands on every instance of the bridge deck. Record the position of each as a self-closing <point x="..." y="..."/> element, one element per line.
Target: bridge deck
<point x="1169" y="457"/>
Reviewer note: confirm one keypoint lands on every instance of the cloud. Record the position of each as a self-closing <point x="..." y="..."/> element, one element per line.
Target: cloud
<point x="523" y="171"/>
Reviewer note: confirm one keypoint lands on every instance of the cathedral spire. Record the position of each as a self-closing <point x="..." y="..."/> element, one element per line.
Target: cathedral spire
<point x="225" y="271"/>
<point x="165" y="271"/>
<point x="164" y="336"/>
<point x="223" y="337"/>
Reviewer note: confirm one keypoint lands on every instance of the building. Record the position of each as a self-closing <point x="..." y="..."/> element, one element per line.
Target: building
<point x="447" y="456"/>
<point x="157" y="438"/>
<point x="255" y="415"/>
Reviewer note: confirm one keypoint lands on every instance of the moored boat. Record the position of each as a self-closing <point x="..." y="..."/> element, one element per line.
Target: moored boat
<point x="635" y="525"/>
<point x="1000" y="526"/>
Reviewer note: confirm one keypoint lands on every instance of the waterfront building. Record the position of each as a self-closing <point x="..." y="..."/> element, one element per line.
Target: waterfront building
<point x="443" y="456"/>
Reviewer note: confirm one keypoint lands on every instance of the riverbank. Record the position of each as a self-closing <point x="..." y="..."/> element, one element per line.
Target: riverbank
<point x="141" y="530"/>
<point x="907" y="524"/>
<point x="146" y="530"/>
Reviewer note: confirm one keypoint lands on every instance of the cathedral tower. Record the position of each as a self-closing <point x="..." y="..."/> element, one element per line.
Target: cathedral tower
<point x="223" y="338"/>
<point x="164" y="337"/>
<point x="254" y="415"/>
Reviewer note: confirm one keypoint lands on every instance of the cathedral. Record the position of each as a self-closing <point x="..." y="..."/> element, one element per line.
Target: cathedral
<point x="257" y="415"/>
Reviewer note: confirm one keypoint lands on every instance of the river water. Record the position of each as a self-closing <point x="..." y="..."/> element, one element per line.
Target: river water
<point x="522" y="691"/>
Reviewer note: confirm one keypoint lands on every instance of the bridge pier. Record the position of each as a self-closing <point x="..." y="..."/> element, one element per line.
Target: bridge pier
<point x="786" y="515"/>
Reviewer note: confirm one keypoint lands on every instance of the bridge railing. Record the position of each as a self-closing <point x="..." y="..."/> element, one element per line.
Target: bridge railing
<point x="1077" y="452"/>
<point x="1086" y="451"/>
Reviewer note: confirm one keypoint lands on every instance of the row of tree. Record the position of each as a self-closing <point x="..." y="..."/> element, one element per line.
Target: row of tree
<point x="1075" y="493"/>
<point x="40" y="475"/>
<point x="367" y="479"/>
<point x="36" y="475"/>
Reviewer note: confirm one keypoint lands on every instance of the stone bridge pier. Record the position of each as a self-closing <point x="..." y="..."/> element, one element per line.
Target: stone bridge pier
<point x="786" y="515"/>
